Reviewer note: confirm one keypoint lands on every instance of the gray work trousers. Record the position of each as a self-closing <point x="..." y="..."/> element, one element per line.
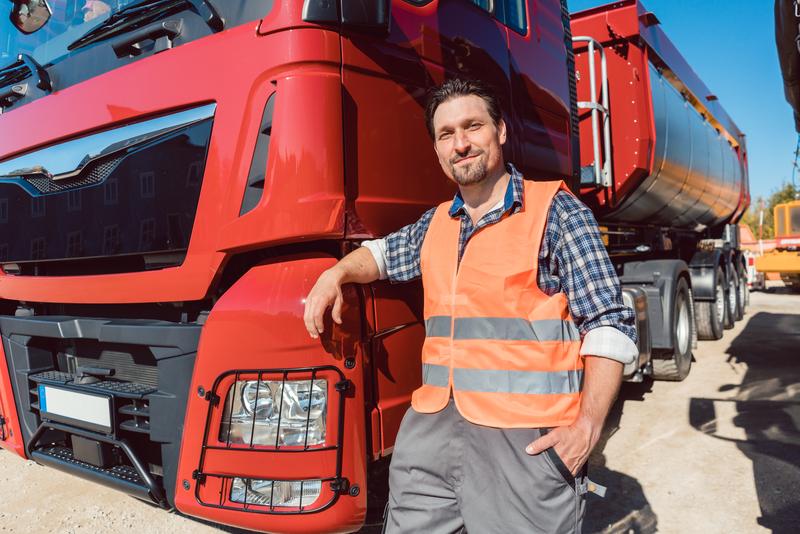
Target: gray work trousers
<point x="450" y="475"/>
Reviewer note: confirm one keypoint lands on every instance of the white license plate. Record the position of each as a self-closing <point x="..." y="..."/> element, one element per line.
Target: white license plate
<point x="72" y="407"/>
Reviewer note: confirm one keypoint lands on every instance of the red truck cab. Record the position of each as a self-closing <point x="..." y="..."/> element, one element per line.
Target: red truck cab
<point x="175" y="175"/>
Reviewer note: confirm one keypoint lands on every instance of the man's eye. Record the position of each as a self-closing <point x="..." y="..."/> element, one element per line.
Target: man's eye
<point x="445" y="136"/>
<point x="475" y="126"/>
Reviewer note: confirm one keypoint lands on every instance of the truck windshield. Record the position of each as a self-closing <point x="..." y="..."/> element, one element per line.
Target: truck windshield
<point x="71" y="19"/>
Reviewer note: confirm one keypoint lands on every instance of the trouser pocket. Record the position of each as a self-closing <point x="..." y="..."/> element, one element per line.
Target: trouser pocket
<point x="560" y="466"/>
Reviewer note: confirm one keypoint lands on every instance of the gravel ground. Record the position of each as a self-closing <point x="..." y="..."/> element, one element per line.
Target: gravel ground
<point x="718" y="452"/>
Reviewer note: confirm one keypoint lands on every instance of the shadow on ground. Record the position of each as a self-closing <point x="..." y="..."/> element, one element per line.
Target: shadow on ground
<point x="767" y="408"/>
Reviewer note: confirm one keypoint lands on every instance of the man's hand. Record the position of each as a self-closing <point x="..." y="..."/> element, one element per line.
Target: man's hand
<point x="326" y="292"/>
<point x="573" y="443"/>
<point x="357" y="267"/>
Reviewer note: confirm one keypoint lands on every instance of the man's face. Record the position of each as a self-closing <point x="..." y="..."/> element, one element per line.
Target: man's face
<point x="467" y="141"/>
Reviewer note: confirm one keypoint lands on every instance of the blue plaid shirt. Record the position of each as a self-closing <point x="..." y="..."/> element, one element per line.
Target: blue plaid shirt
<point x="572" y="259"/>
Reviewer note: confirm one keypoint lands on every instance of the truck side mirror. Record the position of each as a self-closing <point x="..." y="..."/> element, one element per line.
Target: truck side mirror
<point x="29" y="16"/>
<point x="372" y="16"/>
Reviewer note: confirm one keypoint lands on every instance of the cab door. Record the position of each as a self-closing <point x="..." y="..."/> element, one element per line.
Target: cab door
<point x="392" y="174"/>
<point x="539" y="44"/>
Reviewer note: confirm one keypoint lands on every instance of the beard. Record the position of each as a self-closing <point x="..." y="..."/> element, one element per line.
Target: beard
<point x="470" y="174"/>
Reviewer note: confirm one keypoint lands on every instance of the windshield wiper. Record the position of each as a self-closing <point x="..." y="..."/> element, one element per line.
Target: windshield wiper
<point x="138" y="15"/>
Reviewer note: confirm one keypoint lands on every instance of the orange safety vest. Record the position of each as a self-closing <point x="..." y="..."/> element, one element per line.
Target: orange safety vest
<point x="508" y="352"/>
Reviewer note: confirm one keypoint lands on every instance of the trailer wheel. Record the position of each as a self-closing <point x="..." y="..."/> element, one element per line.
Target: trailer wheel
<point x="709" y="315"/>
<point x="744" y="294"/>
<point x="731" y="299"/>
<point x="675" y="365"/>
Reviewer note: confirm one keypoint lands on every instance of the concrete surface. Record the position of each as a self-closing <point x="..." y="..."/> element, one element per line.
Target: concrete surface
<point x="719" y="452"/>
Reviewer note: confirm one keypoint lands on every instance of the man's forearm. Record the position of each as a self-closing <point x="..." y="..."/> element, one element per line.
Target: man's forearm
<point x="601" y="381"/>
<point x="358" y="267"/>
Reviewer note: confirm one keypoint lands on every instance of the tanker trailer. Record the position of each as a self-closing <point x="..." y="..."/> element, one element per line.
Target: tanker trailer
<point x="664" y="168"/>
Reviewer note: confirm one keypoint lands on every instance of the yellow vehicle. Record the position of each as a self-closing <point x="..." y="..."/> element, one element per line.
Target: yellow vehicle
<point x="785" y="259"/>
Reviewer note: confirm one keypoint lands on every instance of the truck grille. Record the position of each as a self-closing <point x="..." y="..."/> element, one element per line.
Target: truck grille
<point x="94" y="173"/>
<point x="117" y="215"/>
<point x="136" y="418"/>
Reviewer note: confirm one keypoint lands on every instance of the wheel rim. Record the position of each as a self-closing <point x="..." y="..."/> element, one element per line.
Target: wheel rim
<point x="682" y="330"/>
<point x="732" y="296"/>
<point x="720" y="302"/>
<point x="742" y="292"/>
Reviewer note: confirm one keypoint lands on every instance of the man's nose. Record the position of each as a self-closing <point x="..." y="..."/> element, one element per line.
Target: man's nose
<point x="462" y="144"/>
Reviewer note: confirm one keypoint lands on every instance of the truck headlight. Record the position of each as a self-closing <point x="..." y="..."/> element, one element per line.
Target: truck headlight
<point x="275" y="492"/>
<point x="275" y="412"/>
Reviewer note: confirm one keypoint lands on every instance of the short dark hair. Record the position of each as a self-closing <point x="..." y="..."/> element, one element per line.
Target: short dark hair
<point x="455" y="87"/>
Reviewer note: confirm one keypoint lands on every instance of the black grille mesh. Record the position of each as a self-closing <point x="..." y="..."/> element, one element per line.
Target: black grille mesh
<point x="93" y="173"/>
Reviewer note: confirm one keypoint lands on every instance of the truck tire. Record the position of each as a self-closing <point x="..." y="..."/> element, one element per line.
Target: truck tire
<point x="744" y="294"/>
<point x="709" y="315"/>
<point x="675" y="365"/>
<point x="731" y="298"/>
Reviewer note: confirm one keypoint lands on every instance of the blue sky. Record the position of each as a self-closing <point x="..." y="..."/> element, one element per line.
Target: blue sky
<point x="731" y="46"/>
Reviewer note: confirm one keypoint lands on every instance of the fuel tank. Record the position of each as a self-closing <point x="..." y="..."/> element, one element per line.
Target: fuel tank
<point x="676" y="159"/>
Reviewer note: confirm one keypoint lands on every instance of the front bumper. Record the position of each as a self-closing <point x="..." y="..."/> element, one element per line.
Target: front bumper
<point x="146" y="398"/>
<point x="258" y="321"/>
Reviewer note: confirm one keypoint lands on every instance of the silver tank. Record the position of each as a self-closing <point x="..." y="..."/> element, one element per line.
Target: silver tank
<point x="696" y="179"/>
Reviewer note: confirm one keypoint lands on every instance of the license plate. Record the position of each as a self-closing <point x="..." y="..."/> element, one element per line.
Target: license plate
<point x="85" y="410"/>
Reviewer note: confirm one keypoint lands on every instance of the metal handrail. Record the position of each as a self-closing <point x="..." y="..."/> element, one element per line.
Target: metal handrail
<point x="603" y="174"/>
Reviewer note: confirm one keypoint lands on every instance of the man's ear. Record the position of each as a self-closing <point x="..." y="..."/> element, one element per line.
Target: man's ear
<point x="501" y="131"/>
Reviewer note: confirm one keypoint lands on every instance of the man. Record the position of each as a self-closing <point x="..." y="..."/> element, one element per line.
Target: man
<point x="526" y="335"/>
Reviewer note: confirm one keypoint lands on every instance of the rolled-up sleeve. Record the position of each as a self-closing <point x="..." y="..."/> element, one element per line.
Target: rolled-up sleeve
<point x="579" y="259"/>
<point x="378" y="249"/>
<point x="398" y="254"/>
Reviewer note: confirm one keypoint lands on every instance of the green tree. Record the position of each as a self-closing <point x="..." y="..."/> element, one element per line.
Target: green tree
<point x="750" y="217"/>
<point x="786" y="193"/>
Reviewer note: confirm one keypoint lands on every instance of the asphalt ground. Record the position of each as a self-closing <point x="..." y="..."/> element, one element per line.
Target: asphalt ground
<point x="718" y="452"/>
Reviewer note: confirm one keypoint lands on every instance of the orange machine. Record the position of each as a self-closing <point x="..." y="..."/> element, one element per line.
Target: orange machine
<point x="785" y="257"/>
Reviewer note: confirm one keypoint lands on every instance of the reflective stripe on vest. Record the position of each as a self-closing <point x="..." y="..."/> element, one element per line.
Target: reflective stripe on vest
<point x="499" y="381"/>
<point x="502" y="328"/>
